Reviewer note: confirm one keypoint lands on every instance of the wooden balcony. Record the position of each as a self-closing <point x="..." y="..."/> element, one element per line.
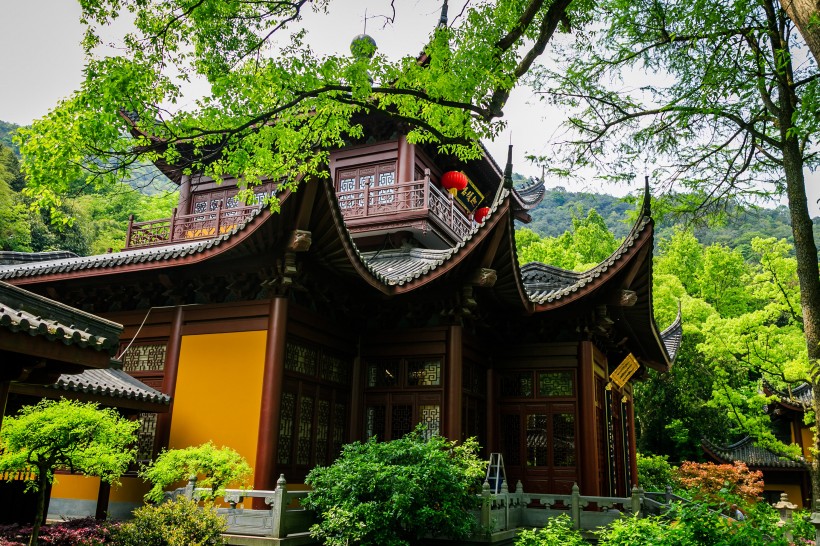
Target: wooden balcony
<point x="185" y="227"/>
<point x="381" y="207"/>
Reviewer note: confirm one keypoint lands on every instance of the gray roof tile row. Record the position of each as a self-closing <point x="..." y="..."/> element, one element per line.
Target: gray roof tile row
<point x="746" y="451"/>
<point x="111" y="382"/>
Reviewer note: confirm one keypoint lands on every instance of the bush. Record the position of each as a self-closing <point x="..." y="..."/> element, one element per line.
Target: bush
<point x="721" y="483"/>
<point x="655" y="472"/>
<point x="214" y="466"/>
<point x="175" y="523"/>
<point x="394" y="493"/>
<point x="75" y="532"/>
<point x="558" y="532"/>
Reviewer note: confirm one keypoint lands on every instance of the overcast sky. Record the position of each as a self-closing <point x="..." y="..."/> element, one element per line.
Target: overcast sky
<point x="41" y="62"/>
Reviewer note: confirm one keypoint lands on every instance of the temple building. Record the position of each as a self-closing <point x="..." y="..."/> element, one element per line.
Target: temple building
<point x="780" y="474"/>
<point x="375" y="300"/>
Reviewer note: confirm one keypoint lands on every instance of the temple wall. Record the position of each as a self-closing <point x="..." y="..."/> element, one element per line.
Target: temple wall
<point x="218" y="391"/>
<point x="76" y="496"/>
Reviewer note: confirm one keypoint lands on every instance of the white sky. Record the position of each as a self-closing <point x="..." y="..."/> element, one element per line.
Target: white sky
<point x="42" y="62"/>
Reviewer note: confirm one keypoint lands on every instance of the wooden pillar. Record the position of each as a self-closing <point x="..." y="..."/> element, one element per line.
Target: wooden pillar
<point x="405" y="170"/>
<point x="454" y="388"/>
<point x="4" y="396"/>
<point x="184" y="203"/>
<point x="356" y="401"/>
<point x="169" y="381"/>
<point x="587" y="446"/>
<point x="492" y="444"/>
<point x="633" y="448"/>
<point x="273" y="375"/>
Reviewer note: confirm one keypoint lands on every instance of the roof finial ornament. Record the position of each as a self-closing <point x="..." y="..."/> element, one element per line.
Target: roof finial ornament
<point x="442" y="22"/>
<point x="508" y="182"/>
<point x="646" y="208"/>
<point x="363" y="45"/>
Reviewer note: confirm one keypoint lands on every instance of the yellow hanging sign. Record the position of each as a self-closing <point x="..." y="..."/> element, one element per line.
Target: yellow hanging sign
<point x="625" y="370"/>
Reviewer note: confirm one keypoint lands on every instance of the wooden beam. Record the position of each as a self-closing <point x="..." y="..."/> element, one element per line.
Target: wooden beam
<point x="492" y="247"/>
<point x="308" y="190"/>
<point x="54" y="350"/>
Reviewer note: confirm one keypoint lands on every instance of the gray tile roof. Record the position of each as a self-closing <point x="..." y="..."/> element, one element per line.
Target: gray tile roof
<point x="530" y="195"/>
<point x="114" y="259"/>
<point x="111" y="382"/>
<point x="399" y="266"/>
<point x="746" y="451"/>
<point x="672" y="337"/>
<point x="24" y="312"/>
<point x="12" y="258"/>
<point x="802" y="395"/>
<point x="545" y="283"/>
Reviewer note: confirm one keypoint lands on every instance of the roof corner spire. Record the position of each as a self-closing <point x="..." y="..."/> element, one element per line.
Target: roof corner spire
<point x="442" y="22"/>
<point x="508" y="182"/>
<point x="646" y="208"/>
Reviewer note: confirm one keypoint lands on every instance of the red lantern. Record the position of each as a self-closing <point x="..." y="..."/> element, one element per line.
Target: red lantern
<point x="481" y="213"/>
<point x="454" y="181"/>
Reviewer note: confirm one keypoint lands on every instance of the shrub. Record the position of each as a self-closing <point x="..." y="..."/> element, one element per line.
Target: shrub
<point x="557" y="532"/>
<point x="214" y="466"/>
<point x="650" y="531"/>
<point x="394" y="493"/>
<point x="75" y="532"/>
<point x="655" y="472"/>
<point x="720" y="483"/>
<point x="180" y="522"/>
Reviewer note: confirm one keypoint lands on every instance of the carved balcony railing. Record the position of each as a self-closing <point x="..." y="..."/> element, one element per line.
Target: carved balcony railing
<point x="185" y="227"/>
<point x="417" y="198"/>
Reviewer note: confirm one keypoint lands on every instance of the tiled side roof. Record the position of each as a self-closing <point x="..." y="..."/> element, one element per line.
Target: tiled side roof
<point x="111" y="382"/>
<point x="114" y="259"/>
<point x="746" y="451"/>
<point x="672" y="337"/>
<point x="24" y="312"/>
<point x="801" y="395"/>
<point x="530" y="195"/>
<point x="12" y="258"/>
<point x="398" y="267"/>
<point x="401" y="265"/>
<point x="545" y="284"/>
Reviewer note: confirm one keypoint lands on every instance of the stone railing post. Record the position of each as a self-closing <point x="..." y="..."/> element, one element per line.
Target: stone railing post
<point x="190" y="488"/>
<point x="278" y="507"/>
<point x="637" y="500"/>
<point x="575" y="507"/>
<point x="505" y="493"/>
<point x="486" y="506"/>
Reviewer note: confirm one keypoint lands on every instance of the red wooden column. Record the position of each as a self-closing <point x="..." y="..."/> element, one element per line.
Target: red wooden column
<point x="454" y="388"/>
<point x="587" y="446"/>
<point x="169" y="380"/>
<point x="356" y="401"/>
<point x="273" y="375"/>
<point x="492" y="444"/>
<point x="633" y="449"/>
<point x="4" y="396"/>
<point x="406" y="161"/>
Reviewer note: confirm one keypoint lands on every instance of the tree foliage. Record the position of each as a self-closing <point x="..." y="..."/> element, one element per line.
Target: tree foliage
<point x="65" y="434"/>
<point x="394" y="493"/>
<point x="275" y="107"/>
<point x="214" y="467"/>
<point x="180" y="522"/>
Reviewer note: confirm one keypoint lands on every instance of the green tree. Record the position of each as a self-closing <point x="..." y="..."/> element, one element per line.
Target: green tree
<point x="725" y="110"/>
<point x="588" y="243"/>
<point x="65" y="434"/>
<point x="214" y="467"/>
<point x="275" y="107"/>
<point x="394" y="493"/>
<point x="180" y="522"/>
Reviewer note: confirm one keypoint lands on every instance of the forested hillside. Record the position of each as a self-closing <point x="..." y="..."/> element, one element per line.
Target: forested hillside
<point x="554" y="215"/>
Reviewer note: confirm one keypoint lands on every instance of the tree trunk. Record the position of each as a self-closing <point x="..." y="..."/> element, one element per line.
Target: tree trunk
<point x="42" y="487"/>
<point x="808" y="275"/>
<point x="801" y="13"/>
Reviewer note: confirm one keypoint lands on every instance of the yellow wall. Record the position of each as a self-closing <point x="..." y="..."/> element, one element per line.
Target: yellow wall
<point x="219" y="391"/>
<point x="793" y="491"/>
<point x="73" y="486"/>
<point x="807" y="441"/>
